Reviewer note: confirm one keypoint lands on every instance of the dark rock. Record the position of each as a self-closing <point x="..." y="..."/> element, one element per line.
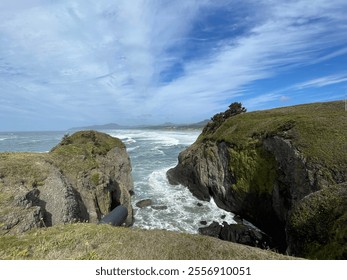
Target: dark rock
<point x="223" y="217"/>
<point x="238" y="219"/>
<point x="199" y="204"/>
<point x="212" y="230"/>
<point x="83" y="178"/>
<point x="246" y="235"/>
<point x="31" y="198"/>
<point x="204" y="223"/>
<point x="159" y="207"/>
<point x="144" y="203"/>
<point x="236" y="233"/>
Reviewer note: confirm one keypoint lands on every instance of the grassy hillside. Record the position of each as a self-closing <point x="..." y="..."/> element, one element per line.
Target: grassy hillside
<point x="318" y="130"/>
<point x="281" y="156"/>
<point x="91" y="241"/>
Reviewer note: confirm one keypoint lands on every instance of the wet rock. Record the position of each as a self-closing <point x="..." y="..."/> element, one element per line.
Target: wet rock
<point x="246" y="235"/>
<point x="212" y="230"/>
<point x="144" y="203"/>
<point x="238" y="219"/>
<point x="237" y="233"/>
<point x="204" y="223"/>
<point x="199" y="204"/>
<point x="223" y="217"/>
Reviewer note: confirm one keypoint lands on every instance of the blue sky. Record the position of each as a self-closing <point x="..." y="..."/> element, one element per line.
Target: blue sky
<point x="72" y="63"/>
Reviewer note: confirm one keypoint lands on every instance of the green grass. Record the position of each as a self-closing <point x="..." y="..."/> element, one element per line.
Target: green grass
<point x="24" y="168"/>
<point x="318" y="130"/>
<point x="76" y="153"/>
<point x="77" y="157"/>
<point x="255" y="170"/>
<point x="91" y="241"/>
<point x="321" y="221"/>
<point x="80" y="151"/>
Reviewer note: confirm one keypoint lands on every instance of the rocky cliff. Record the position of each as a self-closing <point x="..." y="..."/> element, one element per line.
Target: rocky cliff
<point x="80" y="180"/>
<point x="272" y="167"/>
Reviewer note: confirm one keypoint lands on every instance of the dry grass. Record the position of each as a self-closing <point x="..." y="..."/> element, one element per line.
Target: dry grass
<point x="104" y="242"/>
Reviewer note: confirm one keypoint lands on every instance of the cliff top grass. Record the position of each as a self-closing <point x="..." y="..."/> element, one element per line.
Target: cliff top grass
<point x="90" y="141"/>
<point x="73" y="154"/>
<point x="22" y="167"/>
<point x="24" y="171"/>
<point x="104" y="242"/>
<point x="79" y="151"/>
<point x="318" y="130"/>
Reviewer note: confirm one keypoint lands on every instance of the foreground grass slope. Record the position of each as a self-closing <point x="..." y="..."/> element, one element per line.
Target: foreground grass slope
<point x="91" y="241"/>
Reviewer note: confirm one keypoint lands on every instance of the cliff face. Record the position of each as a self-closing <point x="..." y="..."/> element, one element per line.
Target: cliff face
<point x="263" y="165"/>
<point x="80" y="180"/>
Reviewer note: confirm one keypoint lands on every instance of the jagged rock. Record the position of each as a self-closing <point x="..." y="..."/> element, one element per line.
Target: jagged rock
<point x="238" y="219"/>
<point x="213" y="230"/>
<point x="246" y="235"/>
<point x="261" y="165"/>
<point x="144" y="203"/>
<point x="237" y="233"/>
<point x="83" y="178"/>
<point x="204" y="223"/>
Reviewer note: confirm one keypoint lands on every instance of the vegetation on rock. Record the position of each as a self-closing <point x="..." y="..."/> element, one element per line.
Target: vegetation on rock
<point x="216" y="121"/>
<point x="318" y="225"/>
<point x="82" y="178"/>
<point x="265" y="162"/>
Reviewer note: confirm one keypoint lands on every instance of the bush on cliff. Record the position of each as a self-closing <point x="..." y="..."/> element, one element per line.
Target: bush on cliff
<point x="265" y="162"/>
<point x="216" y="121"/>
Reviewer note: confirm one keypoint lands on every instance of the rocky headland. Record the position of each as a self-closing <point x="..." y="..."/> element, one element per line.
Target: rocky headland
<point x="81" y="179"/>
<point x="284" y="170"/>
<point x="51" y="205"/>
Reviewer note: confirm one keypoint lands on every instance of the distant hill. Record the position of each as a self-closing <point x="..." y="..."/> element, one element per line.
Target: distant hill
<point x="99" y="127"/>
<point x="167" y="125"/>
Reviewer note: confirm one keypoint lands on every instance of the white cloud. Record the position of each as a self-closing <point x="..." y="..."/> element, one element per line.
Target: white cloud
<point x="323" y="81"/>
<point x="103" y="60"/>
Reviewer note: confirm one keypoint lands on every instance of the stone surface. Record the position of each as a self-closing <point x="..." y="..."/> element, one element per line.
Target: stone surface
<point x="238" y="233"/>
<point x="144" y="203"/>
<point x="83" y="178"/>
<point x="272" y="171"/>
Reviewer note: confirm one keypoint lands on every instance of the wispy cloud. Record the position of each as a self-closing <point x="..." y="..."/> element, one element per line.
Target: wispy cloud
<point x="100" y="61"/>
<point x="323" y="81"/>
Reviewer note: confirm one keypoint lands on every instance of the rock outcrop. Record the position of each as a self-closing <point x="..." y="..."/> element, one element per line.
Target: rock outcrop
<point x="238" y="233"/>
<point x="83" y="178"/>
<point x="265" y="166"/>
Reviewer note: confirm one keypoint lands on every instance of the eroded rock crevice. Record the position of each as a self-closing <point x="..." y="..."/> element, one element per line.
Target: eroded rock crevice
<point x="82" y="179"/>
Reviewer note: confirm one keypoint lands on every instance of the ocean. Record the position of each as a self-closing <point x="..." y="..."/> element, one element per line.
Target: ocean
<point x="152" y="153"/>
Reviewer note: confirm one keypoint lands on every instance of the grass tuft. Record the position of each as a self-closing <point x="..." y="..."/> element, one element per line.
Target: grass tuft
<point x="91" y="241"/>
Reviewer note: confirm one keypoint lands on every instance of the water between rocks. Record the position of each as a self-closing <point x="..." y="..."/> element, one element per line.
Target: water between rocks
<point x="152" y="153"/>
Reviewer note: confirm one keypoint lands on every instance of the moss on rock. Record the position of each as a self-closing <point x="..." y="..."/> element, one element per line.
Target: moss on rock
<point x="274" y="159"/>
<point x="317" y="227"/>
<point x="81" y="179"/>
<point x="254" y="170"/>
